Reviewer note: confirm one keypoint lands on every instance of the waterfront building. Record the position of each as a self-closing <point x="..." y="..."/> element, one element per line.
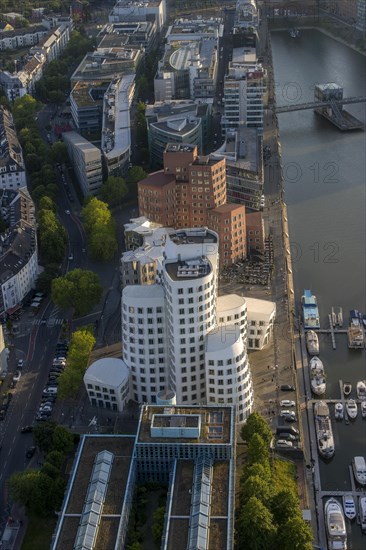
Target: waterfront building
<point x="191" y="192"/>
<point x="261" y="316"/>
<point x="244" y="89"/>
<point x="18" y="252"/>
<point x="137" y="10"/>
<point x="255" y="233"/>
<point x="176" y="122"/>
<point x="116" y="124"/>
<point x="192" y="449"/>
<point x="178" y="315"/>
<point x="12" y="168"/>
<point x="107" y="383"/>
<point x="242" y="151"/>
<point x="246" y="22"/>
<point x="87" y="162"/>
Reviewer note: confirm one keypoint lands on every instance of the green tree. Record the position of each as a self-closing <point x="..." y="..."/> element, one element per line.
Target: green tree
<point x="43" y="435"/>
<point x="56" y="458"/>
<point x="58" y="152"/>
<point x="100" y="229"/>
<point x="257" y="469"/>
<point x="258" y="450"/>
<point x="62" y="440"/>
<point x="103" y="244"/>
<point x="81" y="345"/>
<point x="256" y="530"/>
<point x="284" y="505"/>
<point x="135" y="174"/>
<point x="255" y="486"/>
<point x="3" y="225"/>
<point x="46" y="203"/>
<point x="80" y="289"/>
<point x="52" y="237"/>
<point x="256" y="424"/>
<point x="113" y="191"/>
<point x="295" y="534"/>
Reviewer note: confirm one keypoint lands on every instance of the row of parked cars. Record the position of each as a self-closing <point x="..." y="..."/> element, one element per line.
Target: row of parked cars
<point x="49" y="394"/>
<point x="8" y="396"/>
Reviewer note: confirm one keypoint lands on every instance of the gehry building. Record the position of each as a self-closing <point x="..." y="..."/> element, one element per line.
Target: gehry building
<point x="170" y="334"/>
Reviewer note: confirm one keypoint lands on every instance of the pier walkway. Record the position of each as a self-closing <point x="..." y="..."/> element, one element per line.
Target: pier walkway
<point x="318" y="104"/>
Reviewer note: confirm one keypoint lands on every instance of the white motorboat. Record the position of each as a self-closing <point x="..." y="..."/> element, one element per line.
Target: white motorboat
<point x="359" y="469"/>
<point x="336" y="525"/>
<point x="362" y="513"/>
<point x="312" y="342"/>
<point x="361" y="390"/>
<point x="363" y="409"/>
<point x="349" y="507"/>
<point x="347" y="388"/>
<point x="317" y="376"/>
<point x="324" y="432"/>
<point x="351" y="408"/>
<point x="339" y="411"/>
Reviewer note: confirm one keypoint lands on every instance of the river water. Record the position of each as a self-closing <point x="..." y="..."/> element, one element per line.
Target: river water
<point x="325" y="175"/>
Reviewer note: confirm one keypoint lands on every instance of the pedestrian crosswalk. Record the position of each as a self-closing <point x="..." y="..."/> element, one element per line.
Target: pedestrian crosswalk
<point x="51" y="322"/>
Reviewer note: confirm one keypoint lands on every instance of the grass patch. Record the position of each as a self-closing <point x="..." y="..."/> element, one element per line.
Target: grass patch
<point x="39" y="533"/>
<point x="284" y="476"/>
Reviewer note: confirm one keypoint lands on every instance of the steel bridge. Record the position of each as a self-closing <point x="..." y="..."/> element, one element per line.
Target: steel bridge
<point x="318" y="104"/>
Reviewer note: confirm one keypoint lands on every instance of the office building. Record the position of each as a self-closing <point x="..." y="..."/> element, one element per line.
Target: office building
<point x="87" y="162"/>
<point x="261" y="316"/>
<point x="12" y="168"/>
<point x="139" y="10"/>
<point x="246" y="22"/>
<point x="142" y="34"/>
<point x="361" y="16"/>
<point x="86" y="104"/>
<point x="191" y="192"/>
<point x="178" y="317"/>
<point x="195" y="28"/>
<point x="105" y="63"/>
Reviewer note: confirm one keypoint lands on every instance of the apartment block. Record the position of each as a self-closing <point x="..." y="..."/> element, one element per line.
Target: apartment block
<point x="191" y="192"/>
<point x="12" y="168"/>
<point x="86" y="160"/>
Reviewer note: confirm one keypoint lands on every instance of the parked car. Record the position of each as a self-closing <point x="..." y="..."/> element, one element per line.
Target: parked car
<point x="288" y="437"/>
<point x="288" y="429"/>
<point x="287" y="387"/>
<point x="287" y="403"/>
<point x="30" y="452"/>
<point x="284" y="443"/>
<point x="17" y="376"/>
<point x="284" y="413"/>
<point x="26" y="429"/>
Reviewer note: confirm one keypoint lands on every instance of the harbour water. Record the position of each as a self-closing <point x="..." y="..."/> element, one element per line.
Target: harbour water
<point x="325" y="191"/>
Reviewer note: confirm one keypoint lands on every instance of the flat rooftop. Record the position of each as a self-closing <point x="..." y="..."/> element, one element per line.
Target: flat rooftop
<point x="193" y="236"/>
<point x="188" y="270"/>
<point x="179" y="148"/>
<point x="215" y="423"/>
<point x="181" y="506"/>
<point x="122" y="448"/>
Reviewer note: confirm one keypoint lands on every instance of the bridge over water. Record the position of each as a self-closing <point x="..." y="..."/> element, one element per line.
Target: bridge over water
<point x="317" y="104"/>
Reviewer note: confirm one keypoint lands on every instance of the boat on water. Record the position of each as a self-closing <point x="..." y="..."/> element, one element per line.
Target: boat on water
<point x="310" y="310"/>
<point x="339" y="411"/>
<point x="351" y="408"/>
<point x="317" y="376"/>
<point x="359" y="469"/>
<point x="349" y="507"/>
<point x="356" y="338"/>
<point x="363" y="409"/>
<point x="340" y="317"/>
<point x="324" y="432"/>
<point x="334" y="318"/>
<point x="347" y="388"/>
<point x="362" y="513"/>
<point x="336" y="525"/>
<point x="294" y="33"/>
<point x="361" y="390"/>
<point x="312" y="342"/>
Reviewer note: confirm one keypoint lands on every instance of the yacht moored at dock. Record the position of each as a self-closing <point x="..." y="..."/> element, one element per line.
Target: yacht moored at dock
<point x="363" y="409"/>
<point x="339" y="411"/>
<point x="349" y="507"/>
<point x="351" y="408"/>
<point x="310" y="310"/>
<point x="312" y="342"/>
<point x="361" y="390"/>
<point x="359" y="469"/>
<point x="317" y="376"/>
<point x="347" y="388"/>
<point x="355" y="331"/>
<point x="362" y="513"/>
<point x="324" y="431"/>
<point x="336" y="525"/>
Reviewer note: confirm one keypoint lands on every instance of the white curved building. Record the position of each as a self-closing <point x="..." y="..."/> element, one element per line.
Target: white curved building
<point x="107" y="382"/>
<point x="144" y="340"/>
<point x="228" y="376"/>
<point x="231" y="309"/>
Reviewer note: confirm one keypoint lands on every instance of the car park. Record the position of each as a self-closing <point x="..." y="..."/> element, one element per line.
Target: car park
<point x="287" y="387"/>
<point x="287" y="403"/>
<point x="26" y="429"/>
<point x="17" y="376"/>
<point x="30" y="452"/>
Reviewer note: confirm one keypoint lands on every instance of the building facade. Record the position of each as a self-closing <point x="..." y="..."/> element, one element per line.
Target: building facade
<point x="12" y="168"/>
<point x="107" y="382"/>
<point x="191" y="192"/>
<point x="87" y="162"/>
<point x="131" y="10"/>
